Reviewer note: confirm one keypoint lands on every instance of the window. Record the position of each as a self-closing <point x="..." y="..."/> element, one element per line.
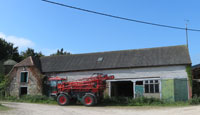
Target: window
<point x="24" y="76"/>
<point x="100" y="59"/>
<point x="53" y="83"/>
<point x="139" y="83"/>
<point x="151" y="86"/>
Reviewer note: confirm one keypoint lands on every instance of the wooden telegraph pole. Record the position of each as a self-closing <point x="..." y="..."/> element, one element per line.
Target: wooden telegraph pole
<point x="186" y="30"/>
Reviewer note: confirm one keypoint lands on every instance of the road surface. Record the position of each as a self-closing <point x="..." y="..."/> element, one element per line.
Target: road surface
<point x="45" y="109"/>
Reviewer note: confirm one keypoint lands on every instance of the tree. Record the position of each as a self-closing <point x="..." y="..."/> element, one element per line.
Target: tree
<point x="3" y="84"/>
<point x="60" y="52"/>
<point x="31" y="52"/>
<point x="8" y="51"/>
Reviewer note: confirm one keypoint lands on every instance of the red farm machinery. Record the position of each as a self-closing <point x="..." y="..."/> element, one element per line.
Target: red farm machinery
<point x="88" y="91"/>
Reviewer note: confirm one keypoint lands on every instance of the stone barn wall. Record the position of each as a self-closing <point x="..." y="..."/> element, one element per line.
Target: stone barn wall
<point x="33" y="84"/>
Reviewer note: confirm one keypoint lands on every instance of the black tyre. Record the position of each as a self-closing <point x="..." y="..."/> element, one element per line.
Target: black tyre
<point x="63" y="99"/>
<point x="88" y="100"/>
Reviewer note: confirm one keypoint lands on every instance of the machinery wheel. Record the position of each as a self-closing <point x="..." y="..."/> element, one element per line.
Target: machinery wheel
<point x="88" y="100"/>
<point x="63" y="99"/>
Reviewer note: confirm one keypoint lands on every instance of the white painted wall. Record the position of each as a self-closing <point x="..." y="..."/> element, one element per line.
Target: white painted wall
<point x="165" y="72"/>
<point x="133" y="74"/>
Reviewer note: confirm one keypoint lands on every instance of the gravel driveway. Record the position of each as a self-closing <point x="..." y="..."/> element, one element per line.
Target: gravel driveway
<point x="43" y="109"/>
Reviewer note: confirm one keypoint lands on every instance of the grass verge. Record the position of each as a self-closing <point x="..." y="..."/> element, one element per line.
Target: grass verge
<point x="3" y="108"/>
<point x="31" y="99"/>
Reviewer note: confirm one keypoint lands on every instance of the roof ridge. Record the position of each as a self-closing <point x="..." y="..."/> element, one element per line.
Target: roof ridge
<point x="28" y="58"/>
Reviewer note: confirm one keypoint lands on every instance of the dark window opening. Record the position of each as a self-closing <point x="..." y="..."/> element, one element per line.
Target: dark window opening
<point x="139" y="83"/>
<point x="146" y="86"/>
<point x="23" y="91"/>
<point x="151" y="88"/>
<point x="24" y="76"/>
<point x="156" y="88"/>
<point x="122" y="89"/>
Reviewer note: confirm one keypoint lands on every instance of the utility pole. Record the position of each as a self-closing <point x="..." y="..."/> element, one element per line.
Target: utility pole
<point x="186" y="30"/>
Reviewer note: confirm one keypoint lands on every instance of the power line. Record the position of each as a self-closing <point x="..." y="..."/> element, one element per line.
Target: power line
<point x="122" y="18"/>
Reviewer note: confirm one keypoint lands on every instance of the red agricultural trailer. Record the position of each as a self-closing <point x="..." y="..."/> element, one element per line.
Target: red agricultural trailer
<point x="89" y="91"/>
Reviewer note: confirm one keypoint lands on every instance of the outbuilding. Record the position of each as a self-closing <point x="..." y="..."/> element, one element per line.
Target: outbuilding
<point x="196" y="80"/>
<point x="151" y="72"/>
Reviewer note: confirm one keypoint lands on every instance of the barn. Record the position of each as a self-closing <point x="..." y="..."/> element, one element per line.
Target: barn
<point x="152" y="72"/>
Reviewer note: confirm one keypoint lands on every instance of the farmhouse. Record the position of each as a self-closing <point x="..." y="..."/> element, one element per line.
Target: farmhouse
<point x="151" y="72"/>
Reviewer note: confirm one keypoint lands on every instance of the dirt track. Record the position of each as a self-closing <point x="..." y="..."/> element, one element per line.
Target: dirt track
<point x="42" y="109"/>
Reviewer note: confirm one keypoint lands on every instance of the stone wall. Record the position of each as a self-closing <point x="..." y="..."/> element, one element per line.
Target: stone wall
<point x="34" y="84"/>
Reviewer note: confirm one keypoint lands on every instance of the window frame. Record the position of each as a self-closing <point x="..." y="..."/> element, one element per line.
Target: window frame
<point x="148" y="82"/>
<point x="21" y="76"/>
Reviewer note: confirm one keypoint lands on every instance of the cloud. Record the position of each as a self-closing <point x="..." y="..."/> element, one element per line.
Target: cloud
<point x="20" y="42"/>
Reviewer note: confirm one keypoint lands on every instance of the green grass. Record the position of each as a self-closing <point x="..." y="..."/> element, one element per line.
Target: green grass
<point x="31" y="99"/>
<point x="3" y="108"/>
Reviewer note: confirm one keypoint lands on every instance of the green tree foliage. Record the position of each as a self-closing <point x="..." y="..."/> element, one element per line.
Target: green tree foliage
<point x="8" y="51"/>
<point x="60" y="52"/>
<point x="3" y="84"/>
<point x="31" y="52"/>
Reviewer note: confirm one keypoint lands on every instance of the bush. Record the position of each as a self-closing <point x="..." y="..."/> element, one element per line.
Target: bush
<point x="142" y="101"/>
<point x="131" y="102"/>
<point x="114" y="101"/>
<point x="145" y="101"/>
<point x="194" y="101"/>
<point x="3" y="85"/>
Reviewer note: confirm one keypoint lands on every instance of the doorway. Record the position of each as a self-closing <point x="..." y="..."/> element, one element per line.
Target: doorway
<point x="23" y="91"/>
<point x="122" y="89"/>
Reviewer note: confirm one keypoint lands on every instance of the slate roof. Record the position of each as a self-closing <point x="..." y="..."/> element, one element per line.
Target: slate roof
<point x="10" y="62"/>
<point x="26" y="62"/>
<point x="161" y="56"/>
<point x="196" y="66"/>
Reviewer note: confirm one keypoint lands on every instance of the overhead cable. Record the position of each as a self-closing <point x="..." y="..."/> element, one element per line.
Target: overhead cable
<point x="122" y="18"/>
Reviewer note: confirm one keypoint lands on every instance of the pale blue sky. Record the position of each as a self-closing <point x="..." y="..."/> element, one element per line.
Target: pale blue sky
<point x="47" y="27"/>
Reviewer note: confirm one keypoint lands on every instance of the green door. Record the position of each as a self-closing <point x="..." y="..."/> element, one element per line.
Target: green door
<point x="181" y="89"/>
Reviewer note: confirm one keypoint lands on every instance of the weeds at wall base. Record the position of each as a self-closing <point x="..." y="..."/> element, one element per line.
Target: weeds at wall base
<point x="120" y="101"/>
<point x="117" y="101"/>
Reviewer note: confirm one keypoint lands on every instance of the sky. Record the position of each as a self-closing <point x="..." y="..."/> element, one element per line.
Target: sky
<point x="46" y="27"/>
